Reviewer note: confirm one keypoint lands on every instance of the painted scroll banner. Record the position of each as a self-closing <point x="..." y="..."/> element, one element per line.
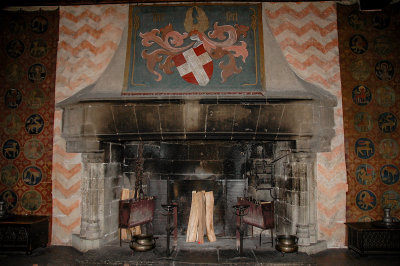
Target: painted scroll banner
<point x="194" y="50"/>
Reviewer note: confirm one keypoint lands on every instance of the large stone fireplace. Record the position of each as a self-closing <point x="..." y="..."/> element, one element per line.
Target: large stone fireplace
<point x="263" y="147"/>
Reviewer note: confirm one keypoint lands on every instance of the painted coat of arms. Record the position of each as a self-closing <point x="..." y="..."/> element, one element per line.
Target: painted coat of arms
<point x="195" y="50"/>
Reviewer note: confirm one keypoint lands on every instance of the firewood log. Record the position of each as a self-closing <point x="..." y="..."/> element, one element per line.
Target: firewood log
<point x="209" y="198"/>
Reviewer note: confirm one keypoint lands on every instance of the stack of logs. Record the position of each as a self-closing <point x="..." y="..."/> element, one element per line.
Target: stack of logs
<point x="201" y="217"/>
<point x="126" y="233"/>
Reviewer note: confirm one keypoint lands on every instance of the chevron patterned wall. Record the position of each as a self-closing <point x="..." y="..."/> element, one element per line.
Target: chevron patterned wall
<point x="307" y="35"/>
<point x="89" y="36"/>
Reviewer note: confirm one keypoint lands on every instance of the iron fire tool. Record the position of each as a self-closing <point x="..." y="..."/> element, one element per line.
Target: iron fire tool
<point x="240" y="211"/>
<point x="170" y="208"/>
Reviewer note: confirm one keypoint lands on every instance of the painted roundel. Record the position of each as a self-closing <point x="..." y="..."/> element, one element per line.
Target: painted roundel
<point x="32" y="175"/>
<point x="358" y="44"/>
<point x="37" y="73"/>
<point x="31" y="200"/>
<point x="38" y="48"/>
<point x="385" y="96"/>
<point x="12" y="124"/>
<point x="15" y="48"/>
<point x="366" y="200"/>
<point x="33" y="149"/>
<point x="39" y="24"/>
<point x="365" y="174"/>
<point x="364" y="148"/>
<point x="10" y="198"/>
<point x="17" y="25"/>
<point x="13" y="98"/>
<point x="361" y="95"/>
<point x="9" y="175"/>
<point x="14" y="72"/>
<point x="384" y="70"/>
<point x="389" y="174"/>
<point x="387" y="122"/>
<point x="357" y="20"/>
<point x="363" y="121"/>
<point x="360" y="69"/>
<point x="34" y="124"/>
<point x="380" y="21"/>
<point x="35" y="98"/>
<point x="383" y="45"/>
<point x="388" y="148"/>
<point x="11" y="149"/>
<point x="390" y="199"/>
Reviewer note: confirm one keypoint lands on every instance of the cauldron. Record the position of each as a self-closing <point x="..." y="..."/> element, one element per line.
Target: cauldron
<point x="286" y="243"/>
<point x="142" y="242"/>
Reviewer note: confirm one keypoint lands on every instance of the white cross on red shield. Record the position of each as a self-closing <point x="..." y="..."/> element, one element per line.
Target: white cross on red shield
<point x="195" y="65"/>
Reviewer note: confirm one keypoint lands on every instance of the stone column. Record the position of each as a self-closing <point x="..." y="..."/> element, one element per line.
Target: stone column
<point x="306" y="215"/>
<point x="93" y="174"/>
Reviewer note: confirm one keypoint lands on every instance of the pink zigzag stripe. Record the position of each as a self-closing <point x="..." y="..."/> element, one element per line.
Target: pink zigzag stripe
<point x="309" y="10"/>
<point x="310" y="26"/>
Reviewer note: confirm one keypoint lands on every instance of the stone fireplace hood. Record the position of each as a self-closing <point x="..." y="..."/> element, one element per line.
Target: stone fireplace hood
<point x="290" y="109"/>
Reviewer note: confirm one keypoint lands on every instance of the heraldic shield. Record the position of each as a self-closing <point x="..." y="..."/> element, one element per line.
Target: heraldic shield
<point x="195" y="65"/>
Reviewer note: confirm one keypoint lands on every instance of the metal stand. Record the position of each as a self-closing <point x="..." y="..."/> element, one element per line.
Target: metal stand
<point x="171" y="210"/>
<point x="240" y="211"/>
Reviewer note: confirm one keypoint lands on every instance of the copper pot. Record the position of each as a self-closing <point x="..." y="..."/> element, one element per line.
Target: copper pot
<point x="142" y="242"/>
<point x="286" y="243"/>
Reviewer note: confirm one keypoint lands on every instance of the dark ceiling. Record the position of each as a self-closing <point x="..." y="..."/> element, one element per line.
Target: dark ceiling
<point x="5" y="3"/>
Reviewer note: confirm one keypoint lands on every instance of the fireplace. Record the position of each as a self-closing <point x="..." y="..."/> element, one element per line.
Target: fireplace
<point x="263" y="147"/>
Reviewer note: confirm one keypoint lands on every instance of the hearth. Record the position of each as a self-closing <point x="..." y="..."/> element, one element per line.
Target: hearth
<point x="264" y="147"/>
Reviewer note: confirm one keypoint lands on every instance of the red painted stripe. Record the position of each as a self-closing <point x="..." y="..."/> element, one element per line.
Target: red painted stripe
<point x="189" y="77"/>
<point x="199" y="50"/>
<point x="179" y="60"/>
<point x="209" y="67"/>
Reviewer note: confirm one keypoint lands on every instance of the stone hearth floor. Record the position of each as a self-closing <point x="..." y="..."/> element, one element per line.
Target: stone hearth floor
<point x="221" y="252"/>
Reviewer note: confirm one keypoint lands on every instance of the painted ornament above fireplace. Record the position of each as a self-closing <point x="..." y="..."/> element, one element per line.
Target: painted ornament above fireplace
<point x="194" y="49"/>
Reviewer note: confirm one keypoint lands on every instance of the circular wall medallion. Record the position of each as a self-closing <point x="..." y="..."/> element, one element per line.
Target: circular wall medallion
<point x="14" y="72"/>
<point x="31" y="200"/>
<point x="13" y="98"/>
<point x="33" y="149"/>
<point x="9" y="175"/>
<point x="358" y="44"/>
<point x="365" y="174"/>
<point x="35" y="98"/>
<point x="363" y="122"/>
<point x="37" y="73"/>
<point x="38" y="48"/>
<point x="364" y="148"/>
<point x="34" y="124"/>
<point x="366" y="200"/>
<point x="383" y="45"/>
<point x="361" y="95"/>
<point x="365" y="219"/>
<point x="32" y="175"/>
<point x="389" y="174"/>
<point x="11" y="149"/>
<point x="380" y="21"/>
<point x="12" y="124"/>
<point x="387" y="122"/>
<point x="17" y="25"/>
<point x="388" y="148"/>
<point x="15" y="48"/>
<point x="384" y="70"/>
<point x="357" y="20"/>
<point x="385" y="96"/>
<point x="10" y="198"/>
<point x="39" y="24"/>
<point x="360" y="69"/>
<point x="390" y="199"/>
